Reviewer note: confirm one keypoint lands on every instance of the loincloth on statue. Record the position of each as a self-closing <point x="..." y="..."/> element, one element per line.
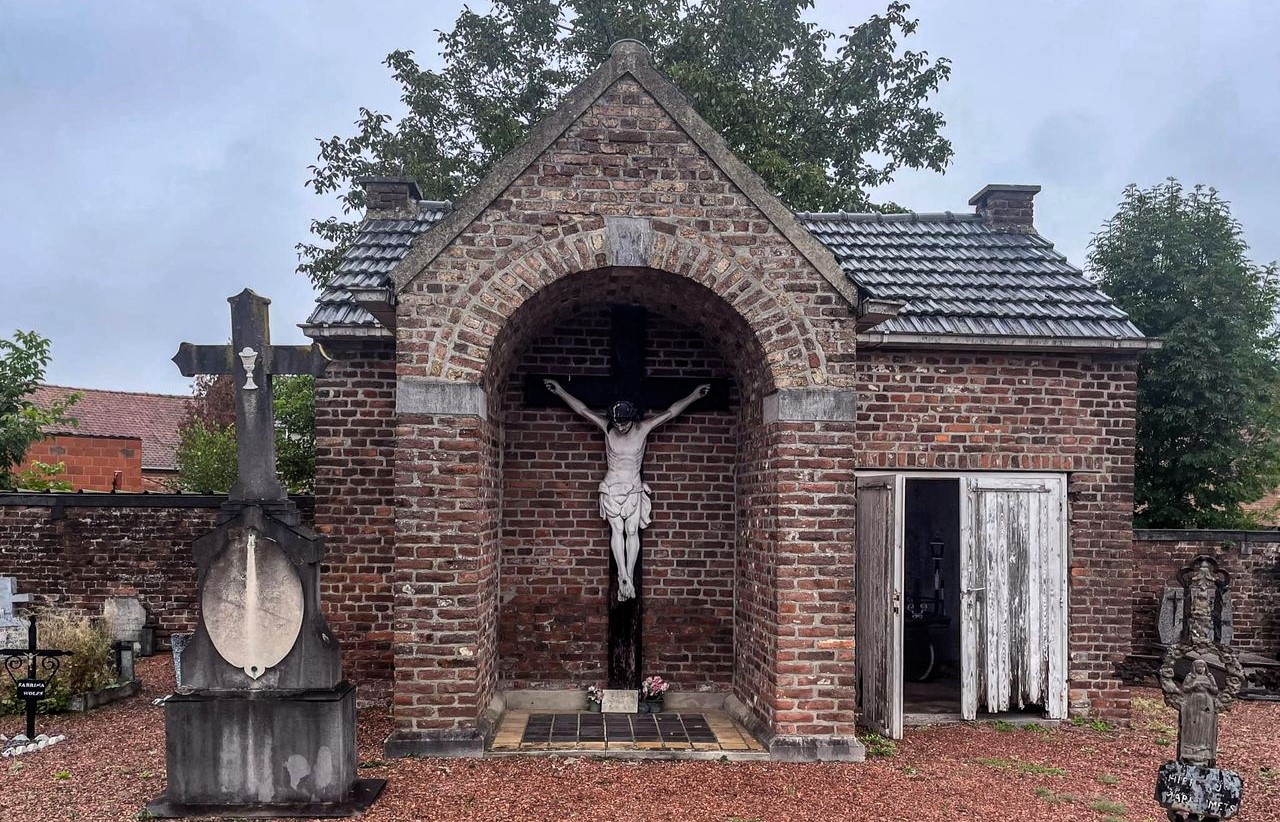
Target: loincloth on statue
<point x="626" y="500"/>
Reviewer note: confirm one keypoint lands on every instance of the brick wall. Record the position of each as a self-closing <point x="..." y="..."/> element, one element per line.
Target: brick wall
<point x="1011" y="412"/>
<point x="1251" y="558"/>
<point x="555" y="560"/>
<point x="92" y="461"/>
<point x="355" y="510"/>
<point x="74" y="552"/>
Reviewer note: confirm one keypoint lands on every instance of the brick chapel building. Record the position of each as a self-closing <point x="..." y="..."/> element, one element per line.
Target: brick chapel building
<point x="923" y="455"/>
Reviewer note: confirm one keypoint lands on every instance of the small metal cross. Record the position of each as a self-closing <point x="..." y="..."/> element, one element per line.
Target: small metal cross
<point x="36" y="660"/>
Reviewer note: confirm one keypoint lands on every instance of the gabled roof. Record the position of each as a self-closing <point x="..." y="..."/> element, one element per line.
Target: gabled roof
<point x="958" y="275"/>
<point x="627" y="58"/>
<point x="153" y="418"/>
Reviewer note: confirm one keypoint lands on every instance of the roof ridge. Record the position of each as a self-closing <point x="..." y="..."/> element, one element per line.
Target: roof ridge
<point x="878" y="217"/>
<point x="115" y="391"/>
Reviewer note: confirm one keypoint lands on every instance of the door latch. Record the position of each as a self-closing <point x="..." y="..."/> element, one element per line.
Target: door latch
<point x="897" y="602"/>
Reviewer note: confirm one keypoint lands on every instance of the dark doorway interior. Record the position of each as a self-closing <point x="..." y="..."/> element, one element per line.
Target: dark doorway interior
<point x="931" y="597"/>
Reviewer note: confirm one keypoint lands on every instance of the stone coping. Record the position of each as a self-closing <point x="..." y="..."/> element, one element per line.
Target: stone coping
<point x="1204" y="535"/>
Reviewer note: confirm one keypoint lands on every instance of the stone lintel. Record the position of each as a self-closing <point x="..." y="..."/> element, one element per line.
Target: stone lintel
<point x="419" y="395"/>
<point x="811" y="405"/>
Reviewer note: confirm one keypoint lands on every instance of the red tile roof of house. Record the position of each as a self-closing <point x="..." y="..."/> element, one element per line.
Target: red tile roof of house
<point x="154" y="418"/>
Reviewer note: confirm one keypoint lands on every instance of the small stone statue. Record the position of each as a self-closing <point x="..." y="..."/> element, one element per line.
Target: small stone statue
<point x="624" y="496"/>
<point x="1198" y="717"/>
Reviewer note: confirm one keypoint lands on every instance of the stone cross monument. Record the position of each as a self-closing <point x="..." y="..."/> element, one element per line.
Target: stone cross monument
<point x="264" y="723"/>
<point x="1200" y="676"/>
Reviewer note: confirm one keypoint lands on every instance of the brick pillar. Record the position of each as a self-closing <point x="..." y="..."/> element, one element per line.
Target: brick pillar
<point x="445" y="579"/>
<point x="801" y="555"/>
<point x="354" y="493"/>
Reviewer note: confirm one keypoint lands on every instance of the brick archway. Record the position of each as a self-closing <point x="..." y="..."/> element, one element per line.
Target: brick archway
<point x="554" y="569"/>
<point x="788" y="480"/>
<point x="777" y="322"/>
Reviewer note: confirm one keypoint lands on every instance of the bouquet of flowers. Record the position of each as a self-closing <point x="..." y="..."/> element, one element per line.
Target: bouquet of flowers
<point x="594" y="697"/>
<point x="653" y="687"/>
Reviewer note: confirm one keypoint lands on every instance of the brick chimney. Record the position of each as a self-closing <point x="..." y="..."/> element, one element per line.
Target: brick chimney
<point x="1007" y="207"/>
<point x="390" y="194"/>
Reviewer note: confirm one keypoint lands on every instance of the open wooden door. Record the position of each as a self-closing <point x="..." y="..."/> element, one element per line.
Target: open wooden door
<point x="878" y="620"/>
<point x="1013" y="586"/>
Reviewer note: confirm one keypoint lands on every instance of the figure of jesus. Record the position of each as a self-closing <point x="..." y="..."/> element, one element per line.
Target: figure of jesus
<point x="624" y="497"/>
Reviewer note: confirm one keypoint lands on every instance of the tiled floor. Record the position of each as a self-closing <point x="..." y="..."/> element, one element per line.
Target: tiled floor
<point x="668" y="731"/>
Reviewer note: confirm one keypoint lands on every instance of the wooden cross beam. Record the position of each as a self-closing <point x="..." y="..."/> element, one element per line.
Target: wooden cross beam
<point x="252" y="360"/>
<point x="627" y="381"/>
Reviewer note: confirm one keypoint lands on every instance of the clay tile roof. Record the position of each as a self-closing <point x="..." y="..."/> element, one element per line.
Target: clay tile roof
<point x="959" y="275"/>
<point x="153" y="418"/>
<point x="956" y="274"/>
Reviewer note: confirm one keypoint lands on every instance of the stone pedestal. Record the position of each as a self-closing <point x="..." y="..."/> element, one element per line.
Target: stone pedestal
<point x="263" y="754"/>
<point x="263" y="724"/>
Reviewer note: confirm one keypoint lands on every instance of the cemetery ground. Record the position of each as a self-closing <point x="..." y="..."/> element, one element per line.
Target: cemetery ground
<point x="113" y="762"/>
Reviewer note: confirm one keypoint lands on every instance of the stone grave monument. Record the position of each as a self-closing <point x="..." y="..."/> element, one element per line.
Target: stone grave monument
<point x="126" y="620"/>
<point x="263" y="725"/>
<point x="1200" y="676"/>
<point x="12" y="629"/>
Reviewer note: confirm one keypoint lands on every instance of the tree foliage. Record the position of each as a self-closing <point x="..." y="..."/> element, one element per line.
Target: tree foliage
<point x="1208" y="427"/>
<point x="206" y="455"/>
<point x="821" y="117"/>
<point x="23" y="361"/>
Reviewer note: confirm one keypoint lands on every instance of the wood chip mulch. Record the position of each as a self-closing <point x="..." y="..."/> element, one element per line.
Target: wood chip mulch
<point x="112" y="763"/>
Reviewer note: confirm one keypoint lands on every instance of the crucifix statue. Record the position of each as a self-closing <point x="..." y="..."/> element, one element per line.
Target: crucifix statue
<point x="252" y="360"/>
<point x="624" y="496"/>
<point x="628" y="393"/>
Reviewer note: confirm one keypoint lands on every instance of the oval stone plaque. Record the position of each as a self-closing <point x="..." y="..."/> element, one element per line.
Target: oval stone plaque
<point x="252" y="603"/>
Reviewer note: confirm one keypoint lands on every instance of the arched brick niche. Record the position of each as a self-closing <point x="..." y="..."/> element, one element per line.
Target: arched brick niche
<point x="554" y="546"/>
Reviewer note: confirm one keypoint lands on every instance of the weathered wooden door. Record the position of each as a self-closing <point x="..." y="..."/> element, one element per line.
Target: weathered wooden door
<point x="1013" y="586"/>
<point x="878" y="620"/>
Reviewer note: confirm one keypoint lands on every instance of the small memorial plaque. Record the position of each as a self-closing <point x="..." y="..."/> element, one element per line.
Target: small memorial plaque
<point x="31" y="689"/>
<point x="1210" y="792"/>
<point x="620" y="702"/>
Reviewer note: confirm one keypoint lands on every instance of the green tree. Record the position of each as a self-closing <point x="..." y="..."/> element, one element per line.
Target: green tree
<point x="206" y="453"/>
<point x="23" y="361"/>
<point x="822" y="118"/>
<point x="1208" y="433"/>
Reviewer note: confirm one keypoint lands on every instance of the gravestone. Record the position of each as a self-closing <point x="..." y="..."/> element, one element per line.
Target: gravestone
<point x="125" y="618"/>
<point x="12" y="629"/>
<point x="614" y="701"/>
<point x="1171" y="620"/>
<point x="263" y="723"/>
<point x="1200" y="676"/>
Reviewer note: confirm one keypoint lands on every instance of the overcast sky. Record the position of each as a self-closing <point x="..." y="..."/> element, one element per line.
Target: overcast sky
<point x="153" y="155"/>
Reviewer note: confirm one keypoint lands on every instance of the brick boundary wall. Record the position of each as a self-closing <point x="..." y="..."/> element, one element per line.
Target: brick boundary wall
<point x="1252" y="558"/>
<point x="76" y="550"/>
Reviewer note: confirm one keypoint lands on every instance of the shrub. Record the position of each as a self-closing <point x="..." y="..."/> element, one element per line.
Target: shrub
<point x="89" y="668"/>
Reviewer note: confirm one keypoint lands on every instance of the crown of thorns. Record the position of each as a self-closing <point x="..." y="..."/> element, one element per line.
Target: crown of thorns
<point x="624" y="411"/>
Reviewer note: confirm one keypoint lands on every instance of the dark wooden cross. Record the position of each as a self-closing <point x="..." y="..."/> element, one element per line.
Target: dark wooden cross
<point x="628" y="343"/>
<point x="251" y="360"/>
<point x="37" y="661"/>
